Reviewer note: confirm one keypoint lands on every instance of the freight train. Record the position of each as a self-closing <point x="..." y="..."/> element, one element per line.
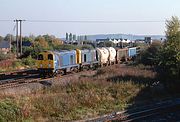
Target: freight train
<point x="50" y="63"/>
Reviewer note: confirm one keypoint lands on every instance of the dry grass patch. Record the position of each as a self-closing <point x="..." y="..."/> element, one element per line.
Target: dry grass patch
<point x="110" y="89"/>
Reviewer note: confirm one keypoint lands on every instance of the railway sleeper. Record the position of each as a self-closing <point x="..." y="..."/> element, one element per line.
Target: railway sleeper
<point x="22" y="81"/>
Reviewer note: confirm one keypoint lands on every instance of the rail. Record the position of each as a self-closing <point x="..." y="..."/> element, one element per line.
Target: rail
<point x="139" y="113"/>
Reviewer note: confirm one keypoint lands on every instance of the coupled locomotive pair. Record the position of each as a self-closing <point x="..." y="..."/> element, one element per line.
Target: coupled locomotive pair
<point x="54" y="62"/>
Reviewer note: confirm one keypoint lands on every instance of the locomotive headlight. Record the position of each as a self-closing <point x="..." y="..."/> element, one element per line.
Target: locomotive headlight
<point x="41" y="65"/>
<point x="49" y="65"/>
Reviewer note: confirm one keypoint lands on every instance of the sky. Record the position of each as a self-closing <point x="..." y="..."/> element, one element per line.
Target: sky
<point x="87" y="10"/>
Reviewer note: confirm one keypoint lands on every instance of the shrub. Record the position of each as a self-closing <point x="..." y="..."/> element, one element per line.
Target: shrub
<point x="17" y="64"/>
<point x="4" y="56"/>
<point x="66" y="47"/>
<point x="28" y="61"/>
<point x="149" y="55"/>
<point x="27" y="51"/>
<point x="9" y="111"/>
<point x="86" y="47"/>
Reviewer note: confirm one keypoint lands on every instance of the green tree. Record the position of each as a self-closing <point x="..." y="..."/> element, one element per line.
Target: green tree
<point x="56" y="43"/>
<point x="39" y="45"/>
<point x="9" y="37"/>
<point x="108" y="44"/>
<point x="169" y="56"/>
<point x="28" y="39"/>
<point x="86" y="46"/>
<point x="66" y="47"/>
<point x="149" y="56"/>
<point x="48" y="38"/>
<point x="27" y="51"/>
<point x="41" y="41"/>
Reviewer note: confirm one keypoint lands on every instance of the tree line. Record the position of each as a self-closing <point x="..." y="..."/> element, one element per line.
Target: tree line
<point x="33" y="45"/>
<point x="165" y="56"/>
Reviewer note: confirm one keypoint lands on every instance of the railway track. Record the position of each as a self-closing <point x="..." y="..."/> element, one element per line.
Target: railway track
<point x="16" y="74"/>
<point x="31" y="78"/>
<point x="140" y="113"/>
<point x="16" y="83"/>
<point x="22" y="77"/>
<point x="17" y="78"/>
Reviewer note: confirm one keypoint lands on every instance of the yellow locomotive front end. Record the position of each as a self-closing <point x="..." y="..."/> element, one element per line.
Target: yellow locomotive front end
<point x="45" y="63"/>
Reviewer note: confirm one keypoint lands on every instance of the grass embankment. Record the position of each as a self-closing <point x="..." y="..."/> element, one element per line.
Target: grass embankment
<point x="16" y="64"/>
<point x="110" y="89"/>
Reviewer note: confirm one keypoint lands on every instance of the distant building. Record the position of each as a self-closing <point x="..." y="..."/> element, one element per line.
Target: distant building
<point x="148" y="40"/>
<point x="115" y="41"/>
<point x="139" y="41"/>
<point x="102" y="40"/>
<point x="5" y="47"/>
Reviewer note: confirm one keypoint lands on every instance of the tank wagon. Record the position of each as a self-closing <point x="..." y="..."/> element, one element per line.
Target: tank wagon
<point x="103" y="54"/>
<point x="54" y="62"/>
<point x="112" y="55"/>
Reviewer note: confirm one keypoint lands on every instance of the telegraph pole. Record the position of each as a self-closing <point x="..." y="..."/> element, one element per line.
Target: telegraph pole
<point x="18" y="45"/>
<point x="20" y="37"/>
<point x="17" y="42"/>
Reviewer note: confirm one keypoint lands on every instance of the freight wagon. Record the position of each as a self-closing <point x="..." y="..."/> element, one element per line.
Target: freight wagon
<point x="132" y="52"/>
<point x="122" y="55"/>
<point x="112" y="55"/>
<point x="87" y="59"/>
<point x="103" y="55"/>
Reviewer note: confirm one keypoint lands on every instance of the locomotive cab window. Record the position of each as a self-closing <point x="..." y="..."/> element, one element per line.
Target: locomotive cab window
<point x="40" y="57"/>
<point x="71" y="59"/>
<point x="85" y="58"/>
<point x="50" y="57"/>
<point x="97" y="56"/>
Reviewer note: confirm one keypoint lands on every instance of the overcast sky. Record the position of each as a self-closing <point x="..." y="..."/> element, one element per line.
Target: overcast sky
<point x="87" y="10"/>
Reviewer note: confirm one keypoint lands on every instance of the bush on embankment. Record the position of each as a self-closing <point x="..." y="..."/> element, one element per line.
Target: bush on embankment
<point x="9" y="111"/>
